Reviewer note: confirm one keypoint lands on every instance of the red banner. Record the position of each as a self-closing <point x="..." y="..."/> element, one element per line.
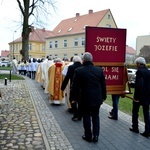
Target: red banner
<point x="108" y="47"/>
<point x="106" y="44"/>
<point x="113" y="75"/>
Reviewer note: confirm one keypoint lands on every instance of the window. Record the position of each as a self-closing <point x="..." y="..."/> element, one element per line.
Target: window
<point x="108" y="16"/>
<point x="56" y="44"/>
<point x="75" y="54"/>
<point x="59" y="31"/>
<point x="65" y="55"/>
<point x="17" y="47"/>
<point x="69" y="29"/>
<point x="83" y="41"/>
<point x="65" y="43"/>
<point x="43" y="47"/>
<point x="50" y="44"/>
<point x="75" y="41"/>
<point x="56" y="56"/>
<point x="108" y="26"/>
<point x="30" y="46"/>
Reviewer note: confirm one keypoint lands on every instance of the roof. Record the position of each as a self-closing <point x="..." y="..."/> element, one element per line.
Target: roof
<point x="36" y="35"/>
<point x="130" y="50"/>
<point x="77" y="24"/>
<point x="4" y="53"/>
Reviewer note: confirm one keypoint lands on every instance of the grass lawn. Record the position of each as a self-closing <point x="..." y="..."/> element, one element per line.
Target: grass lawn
<point x="7" y="75"/>
<point x="125" y="105"/>
<point x="5" y="68"/>
<point x="13" y="77"/>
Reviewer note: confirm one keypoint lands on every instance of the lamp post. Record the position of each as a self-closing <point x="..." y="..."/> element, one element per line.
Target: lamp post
<point x="13" y="43"/>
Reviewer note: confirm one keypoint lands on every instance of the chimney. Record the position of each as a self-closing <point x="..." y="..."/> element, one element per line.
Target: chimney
<point x="90" y="11"/>
<point x="77" y="14"/>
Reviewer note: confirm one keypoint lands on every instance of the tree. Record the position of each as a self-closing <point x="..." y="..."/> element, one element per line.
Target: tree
<point x="145" y="52"/>
<point x="32" y="8"/>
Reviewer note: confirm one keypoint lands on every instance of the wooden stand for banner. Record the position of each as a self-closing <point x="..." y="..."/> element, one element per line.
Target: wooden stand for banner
<point x="122" y="89"/>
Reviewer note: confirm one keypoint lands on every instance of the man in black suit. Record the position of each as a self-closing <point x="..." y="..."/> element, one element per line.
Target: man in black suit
<point x="141" y="97"/>
<point x="89" y="85"/>
<point x="69" y="76"/>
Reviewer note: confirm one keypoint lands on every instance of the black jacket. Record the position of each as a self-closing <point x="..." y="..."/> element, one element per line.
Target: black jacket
<point x="142" y="85"/>
<point x="89" y="84"/>
<point x="69" y="75"/>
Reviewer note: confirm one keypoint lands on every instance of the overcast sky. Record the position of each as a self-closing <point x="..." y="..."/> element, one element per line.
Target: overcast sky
<point x="131" y="15"/>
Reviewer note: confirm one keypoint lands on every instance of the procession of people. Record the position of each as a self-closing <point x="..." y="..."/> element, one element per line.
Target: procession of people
<point x="82" y="86"/>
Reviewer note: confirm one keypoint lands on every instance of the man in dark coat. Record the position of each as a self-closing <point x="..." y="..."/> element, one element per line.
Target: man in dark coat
<point x="141" y="97"/>
<point x="89" y="85"/>
<point x="69" y="76"/>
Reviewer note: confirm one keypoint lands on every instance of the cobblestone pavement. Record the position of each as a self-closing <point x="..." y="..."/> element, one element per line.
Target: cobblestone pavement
<point x="29" y="122"/>
<point x="19" y="127"/>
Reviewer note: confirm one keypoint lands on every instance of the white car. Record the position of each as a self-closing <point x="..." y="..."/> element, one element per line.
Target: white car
<point x="4" y="63"/>
<point x="132" y="76"/>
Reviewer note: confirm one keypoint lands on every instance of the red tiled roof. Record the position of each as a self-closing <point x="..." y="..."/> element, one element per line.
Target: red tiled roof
<point x="129" y="50"/>
<point x="77" y="23"/>
<point x="37" y="35"/>
<point x="4" y="53"/>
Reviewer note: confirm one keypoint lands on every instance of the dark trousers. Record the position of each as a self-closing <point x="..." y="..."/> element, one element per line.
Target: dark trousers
<point x="135" y="115"/>
<point x="33" y="73"/>
<point x="76" y="110"/>
<point x="115" y="101"/>
<point x="91" y="122"/>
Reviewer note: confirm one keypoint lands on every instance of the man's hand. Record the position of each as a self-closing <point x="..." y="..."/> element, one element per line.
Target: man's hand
<point x="73" y="102"/>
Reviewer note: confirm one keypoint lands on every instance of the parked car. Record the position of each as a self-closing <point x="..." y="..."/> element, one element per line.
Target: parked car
<point x="131" y="76"/>
<point x="4" y="63"/>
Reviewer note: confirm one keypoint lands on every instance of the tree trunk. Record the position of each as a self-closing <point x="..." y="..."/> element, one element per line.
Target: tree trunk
<point x="25" y="43"/>
<point x="26" y="31"/>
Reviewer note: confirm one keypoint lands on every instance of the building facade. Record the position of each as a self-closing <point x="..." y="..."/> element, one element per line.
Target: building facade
<point x="68" y="38"/>
<point x="36" y="44"/>
<point x="142" y="41"/>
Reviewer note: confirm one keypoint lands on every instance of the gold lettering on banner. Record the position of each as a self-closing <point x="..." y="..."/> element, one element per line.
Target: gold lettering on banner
<point x="111" y="77"/>
<point x="106" y="39"/>
<point x="105" y="69"/>
<point x="115" y="69"/>
<point x="108" y="73"/>
<point x="103" y="47"/>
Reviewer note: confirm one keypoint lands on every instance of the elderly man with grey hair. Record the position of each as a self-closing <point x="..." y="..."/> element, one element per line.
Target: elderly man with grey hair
<point x="142" y="97"/>
<point x="69" y="77"/>
<point x="89" y="85"/>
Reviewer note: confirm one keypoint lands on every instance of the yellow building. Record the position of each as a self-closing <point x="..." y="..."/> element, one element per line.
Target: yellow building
<point x="68" y="38"/>
<point x="36" y="44"/>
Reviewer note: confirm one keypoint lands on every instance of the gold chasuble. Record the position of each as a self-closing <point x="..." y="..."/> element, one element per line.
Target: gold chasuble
<point x="38" y="74"/>
<point x="55" y="81"/>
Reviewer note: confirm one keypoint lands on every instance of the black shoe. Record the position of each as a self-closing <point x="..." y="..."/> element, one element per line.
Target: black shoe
<point x="70" y="110"/>
<point x="112" y="117"/>
<point x="145" y="134"/>
<point x="74" y="118"/>
<point x="95" y="139"/>
<point x="86" y="138"/>
<point x="110" y="113"/>
<point x="134" y="130"/>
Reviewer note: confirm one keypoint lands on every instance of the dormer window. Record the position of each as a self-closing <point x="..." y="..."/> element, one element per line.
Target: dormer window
<point x="85" y="26"/>
<point x="69" y="29"/>
<point x="59" y="31"/>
